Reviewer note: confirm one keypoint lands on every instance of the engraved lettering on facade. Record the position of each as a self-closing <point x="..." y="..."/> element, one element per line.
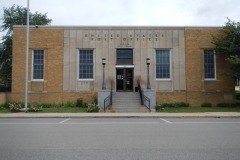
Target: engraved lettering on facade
<point x="131" y="37"/>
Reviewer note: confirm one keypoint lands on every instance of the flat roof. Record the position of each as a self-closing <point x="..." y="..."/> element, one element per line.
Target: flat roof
<point x="119" y="27"/>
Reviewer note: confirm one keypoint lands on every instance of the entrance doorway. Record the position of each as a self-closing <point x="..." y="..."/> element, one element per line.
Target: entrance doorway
<point x="124" y="78"/>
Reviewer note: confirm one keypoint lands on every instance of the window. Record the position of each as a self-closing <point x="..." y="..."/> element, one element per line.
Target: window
<point x="85" y="64"/>
<point x="209" y="65"/>
<point x="163" y="64"/>
<point x="38" y="65"/>
<point x="124" y="56"/>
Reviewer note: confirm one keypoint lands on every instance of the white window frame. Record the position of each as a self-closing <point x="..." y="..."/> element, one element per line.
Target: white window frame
<point x="33" y="65"/>
<point x="215" y="66"/>
<point x="170" y="65"/>
<point x="78" y="52"/>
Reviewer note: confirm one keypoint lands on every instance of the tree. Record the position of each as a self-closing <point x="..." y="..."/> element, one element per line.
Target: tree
<point x="227" y="42"/>
<point x="6" y="61"/>
<point x="15" y="15"/>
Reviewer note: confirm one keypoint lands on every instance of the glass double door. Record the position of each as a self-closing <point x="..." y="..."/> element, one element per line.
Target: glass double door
<point x="124" y="78"/>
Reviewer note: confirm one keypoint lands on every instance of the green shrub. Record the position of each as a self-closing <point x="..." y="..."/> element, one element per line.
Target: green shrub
<point x="70" y="104"/>
<point x="227" y="105"/>
<point x="19" y="106"/>
<point x="206" y="104"/>
<point x="59" y="105"/>
<point x="158" y="107"/>
<point x="80" y="103"/>
<point x="238" y="104"/>
<point x="46" y="105"/>
<point x="2" y="106"/>
<point x="161" y="107"/>
<point x="15" y="107"/>
<point x="174" y="105"/>
<point x="35" y="108"/>
<point x="93" y="107"/>
<point x="237" y="93"/>
<point x="95" y="100"/>
<point x="181" y="104"/>
<point x="5" y="105"/>
<point x="167" y="105"/>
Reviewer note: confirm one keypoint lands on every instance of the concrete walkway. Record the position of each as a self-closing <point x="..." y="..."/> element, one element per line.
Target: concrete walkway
<point x="121" y="115"/>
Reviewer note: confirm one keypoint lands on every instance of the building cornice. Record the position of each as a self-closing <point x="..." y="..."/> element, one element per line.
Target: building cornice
<point x="120" y="27"/>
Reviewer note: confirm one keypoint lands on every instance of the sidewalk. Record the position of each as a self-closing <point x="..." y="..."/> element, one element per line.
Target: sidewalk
<point x="122" y="115"/>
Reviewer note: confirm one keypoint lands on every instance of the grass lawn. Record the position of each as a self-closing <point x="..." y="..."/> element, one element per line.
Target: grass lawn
<point x="63" y="110"/>
<point x="4" y="110"/>
<point x="53" y="110"/>
<point x="200" y="109"/>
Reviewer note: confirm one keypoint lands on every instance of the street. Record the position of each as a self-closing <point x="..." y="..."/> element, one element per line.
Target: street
<point x="119" y="139"/>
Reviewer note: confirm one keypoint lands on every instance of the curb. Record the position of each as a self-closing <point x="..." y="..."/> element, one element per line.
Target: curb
<point x="123" y="115"/>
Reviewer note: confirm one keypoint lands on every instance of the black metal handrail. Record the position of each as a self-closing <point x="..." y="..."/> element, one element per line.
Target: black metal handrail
<point x="105" y="101"/>
<point x="142" y="96"/>
<point x="148" y="100"/>
<point x="140" y="92"/>
<point x="108" y="98"/>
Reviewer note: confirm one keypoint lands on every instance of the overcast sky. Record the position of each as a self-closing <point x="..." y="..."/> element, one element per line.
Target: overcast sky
<point x="134" y="12"/>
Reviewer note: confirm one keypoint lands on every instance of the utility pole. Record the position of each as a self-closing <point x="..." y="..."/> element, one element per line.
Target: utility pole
<point x="27" y="46"/>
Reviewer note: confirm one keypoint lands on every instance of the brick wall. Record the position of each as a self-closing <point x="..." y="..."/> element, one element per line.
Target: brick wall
<point x="198" y="90"/>
<point x="51" y="89"/>
<point x="51" y="41"/>
<point x="4" y="97"/>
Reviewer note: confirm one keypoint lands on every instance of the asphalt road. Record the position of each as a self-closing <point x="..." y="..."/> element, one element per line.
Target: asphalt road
<point x="120" y="139"/>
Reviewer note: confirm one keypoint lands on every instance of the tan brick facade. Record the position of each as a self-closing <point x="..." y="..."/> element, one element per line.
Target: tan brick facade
<point x="188" y="71"/>
<point x="198" y="89"/>
<point x="51" y="89"/>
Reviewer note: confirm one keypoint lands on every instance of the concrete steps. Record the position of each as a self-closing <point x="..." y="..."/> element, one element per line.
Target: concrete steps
<point x="127" y="102"/>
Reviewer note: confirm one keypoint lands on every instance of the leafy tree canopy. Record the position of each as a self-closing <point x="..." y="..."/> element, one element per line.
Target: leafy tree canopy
<point x="17" y="15"/>
<point x="14" y="15"/>
<point x="227" y="42"/>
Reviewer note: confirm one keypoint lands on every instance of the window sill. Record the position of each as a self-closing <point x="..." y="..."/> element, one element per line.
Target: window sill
<point x="211" y="91"/>
<point x="37" y="92"/>
<point x="210" y="80"/>
<point x="166" y="80"/>
<point x="86" y="80"/>
<point x="38" y="81"/>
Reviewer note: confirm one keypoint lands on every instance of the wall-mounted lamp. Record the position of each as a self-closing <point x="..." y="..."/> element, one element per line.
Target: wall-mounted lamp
<point x="148" y="81"/>
<point x="104" y="83"/>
